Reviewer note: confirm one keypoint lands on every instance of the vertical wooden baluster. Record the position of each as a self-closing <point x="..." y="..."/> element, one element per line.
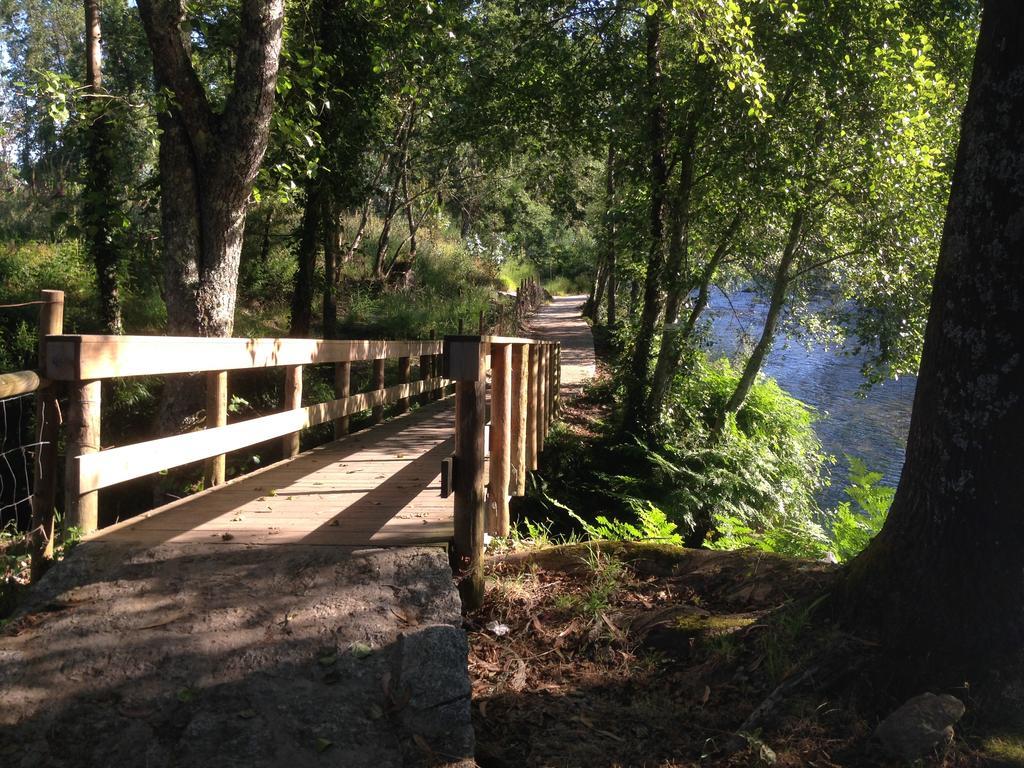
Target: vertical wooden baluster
<point x="435" y="370"/>
<point x="292" y="401"/>
<point x="83" y="437"/>
<point x="216" y="416"/>
<point x="542" y="396"/>
<point x="378" y="384"/>
<point x="464" y="362"/>
<point x="44" y="486"/>
<point x="342" y="389"/>
<point x="532" y="409"/>
<point x="403" y="378"/>
<point x="424" y="374"/>
<point x="520" y="380"/>
<point x="501" y="437"/>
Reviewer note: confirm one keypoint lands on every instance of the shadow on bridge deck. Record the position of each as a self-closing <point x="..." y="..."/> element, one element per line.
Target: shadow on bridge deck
<point x="378" y="487"/>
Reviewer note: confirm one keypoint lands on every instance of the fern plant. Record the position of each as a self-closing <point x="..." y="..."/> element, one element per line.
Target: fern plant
<point x="651" y="524"/>
<point x="853" y="529"/>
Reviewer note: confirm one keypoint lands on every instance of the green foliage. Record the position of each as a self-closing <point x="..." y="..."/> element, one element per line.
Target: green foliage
<point x="765" y="469"/>
<point x="760" y="479"/>
<point x="839" y="535"/>
<point x="859" y="520"/>
<point x="651" y="525"/>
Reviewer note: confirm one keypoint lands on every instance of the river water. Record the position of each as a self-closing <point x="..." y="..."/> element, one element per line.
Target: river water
<point x="873" y="428"/>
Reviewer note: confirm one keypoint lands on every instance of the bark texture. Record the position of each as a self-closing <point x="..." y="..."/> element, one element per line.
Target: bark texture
<point x="944" y="580"/>
<point x="209" y="160"/>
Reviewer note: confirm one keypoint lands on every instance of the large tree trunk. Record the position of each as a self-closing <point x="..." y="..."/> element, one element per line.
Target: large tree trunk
<point x="209" y="160"/>
<point x="639" y="367"/>
<point x="208" y="163"/>
<point x="99" y="198"/>
<point x="780" y="287"/>
<point x="942" y="581"/>
<point x="308" y="242"/>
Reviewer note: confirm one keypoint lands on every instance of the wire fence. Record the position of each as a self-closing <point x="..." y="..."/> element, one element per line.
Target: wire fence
<point x="19" y="448"/>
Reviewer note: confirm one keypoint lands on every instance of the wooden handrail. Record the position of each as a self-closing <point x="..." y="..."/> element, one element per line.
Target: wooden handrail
<point x="83" y="361"/>
<point x="117" y="465"/>
<point x="89" y="357"/>
<point x="21" y="383"/>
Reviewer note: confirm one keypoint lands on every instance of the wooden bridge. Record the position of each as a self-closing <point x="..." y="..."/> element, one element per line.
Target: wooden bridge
<point x="433" y="474"/>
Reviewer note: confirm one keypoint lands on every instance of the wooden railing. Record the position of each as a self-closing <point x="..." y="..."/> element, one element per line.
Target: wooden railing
<point x="525" y="379"/>
<point x="524" y="374"/>
<point x="83" y="362"/>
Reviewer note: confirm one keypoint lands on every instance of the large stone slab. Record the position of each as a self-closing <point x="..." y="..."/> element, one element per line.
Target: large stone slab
<point x="250" y="656"/>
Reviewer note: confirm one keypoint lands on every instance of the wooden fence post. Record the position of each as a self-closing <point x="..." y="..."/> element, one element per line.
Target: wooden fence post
<point x="403" y="378"/>
<point x="542" y="396"/>
<point x="342" y="389"/>
<point x="378" y="383"/>
<point x="216" y="416"/>
<point x="532" y="426"/>
<point x="464" y="363"/>
<point x="501" y="438"/>
<point x="292" y="401"/>
<point x="83" y="437"/>
<point x="520" y="379"/>
<point x="44" y="485"/>
<point x="558" y="377"/>
<point x="424" y="374"/>
<point x="435" y="370"/>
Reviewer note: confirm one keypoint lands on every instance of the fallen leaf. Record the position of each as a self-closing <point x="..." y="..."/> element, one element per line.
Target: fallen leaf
<point x="322" y="745"/>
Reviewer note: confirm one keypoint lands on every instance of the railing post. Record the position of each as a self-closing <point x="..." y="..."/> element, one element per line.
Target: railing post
<point x="532" y="425"/>
<point x="44" y="486"/>
<point x="434" y="365"/>
<point x="292" y="401"/>
<point x="520" y="380"/>
<point x="558" y="377"/>
<point x="403" y="378"/>
<point x="552" y="392"/>
<point x="542" y="396"/>
<point x="501" y="438"/>
<point x="424" y="374"/>
<point x="83" y="437"/>
<point x="342" y="389"/>
<point x="378" y="384"/>
<point x="464" y="363"/>
<point x="216" y="416"/>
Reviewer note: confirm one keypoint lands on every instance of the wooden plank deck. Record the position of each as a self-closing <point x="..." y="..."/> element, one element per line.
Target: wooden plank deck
<point x="379" y="487"/>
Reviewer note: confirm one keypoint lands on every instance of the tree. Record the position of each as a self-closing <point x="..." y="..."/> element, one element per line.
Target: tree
<point x="944" y="574"/>
<point x="99" y="198"/>
<point x="209" y="159"/>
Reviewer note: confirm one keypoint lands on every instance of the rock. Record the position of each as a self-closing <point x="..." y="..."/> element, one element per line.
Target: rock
<point x="921" y="724"/>
<point x="431" y="684"/>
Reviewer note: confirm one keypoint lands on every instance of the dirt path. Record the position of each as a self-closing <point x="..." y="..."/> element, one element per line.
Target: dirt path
<point x="560" y="320"/>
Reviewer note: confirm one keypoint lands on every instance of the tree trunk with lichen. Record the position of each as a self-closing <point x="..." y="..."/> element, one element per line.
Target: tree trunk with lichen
<point x="943" y="582"/>
<point x="208" y="162"/>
